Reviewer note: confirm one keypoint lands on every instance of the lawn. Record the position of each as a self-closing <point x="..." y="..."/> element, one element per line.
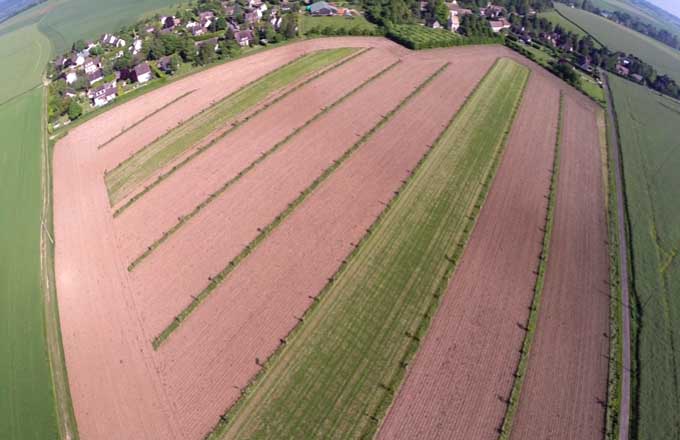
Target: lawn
<point x="341" y="368"/>
<point x="307" y="23"/>
<point x="651" y="159"/>
<point x="619" y="38"/>
<point x="127" y="176"/>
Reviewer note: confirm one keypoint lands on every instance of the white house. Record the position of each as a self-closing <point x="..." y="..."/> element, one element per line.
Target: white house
<point x="499" y="25"/>
<point x="104" y="94"/>
<point x="91" y="65"/>
<point x="142" y="73"/>
<point x="120" y="43"/>
<point x="136" y="46"/>
<point x="71" y="77"/>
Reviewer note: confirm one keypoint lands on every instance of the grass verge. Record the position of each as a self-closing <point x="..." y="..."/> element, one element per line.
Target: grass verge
<point x="337" y="372"/>
<point x="215" y="281"/>
<point x="520" y="372"/>
<point x="236" y="124"/>
<point x="66" y="419"/>
<point x="185" y="218"/>
<point x="134" y="170"/>
<point x="615" y="306"/>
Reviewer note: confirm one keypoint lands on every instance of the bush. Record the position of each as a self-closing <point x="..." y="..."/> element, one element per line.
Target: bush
<point x="74" y="110"/>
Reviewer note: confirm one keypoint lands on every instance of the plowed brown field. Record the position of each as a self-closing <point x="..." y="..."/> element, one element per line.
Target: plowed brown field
<point x="123" y="388"/>
<point x="466" y="362"/>
<point x="565" y="389"/>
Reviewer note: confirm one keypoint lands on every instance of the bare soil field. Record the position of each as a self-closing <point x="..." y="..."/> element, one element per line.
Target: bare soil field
<point x="123" y="388"/>
<point x="565" y="388"/>
<point x="181" y="266"/>
<point x="466" y="362"/>
<point x="245" y="318"/>
<point x="156" y="212"/>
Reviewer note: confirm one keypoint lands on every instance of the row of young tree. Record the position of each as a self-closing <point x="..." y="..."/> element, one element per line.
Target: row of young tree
<point x="584" y="51"/>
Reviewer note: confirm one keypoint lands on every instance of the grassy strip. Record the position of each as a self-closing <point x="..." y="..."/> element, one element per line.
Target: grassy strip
<point x="184" y="95"/>
<point x="216" y="280"/>
<point x="67" y="425"/>
<point x="138" y="167"/>
<point x="233" y="127"/>
<point x="615" y="306"/>
<point x="520" y="373"/>
<point x="328" y="301"/>
<point x="185" y="218"/>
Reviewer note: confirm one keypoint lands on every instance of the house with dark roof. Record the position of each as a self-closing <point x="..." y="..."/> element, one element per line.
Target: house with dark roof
<point x="141" y="73"/>
<point x="104" y="94"/>
<point x="95" y="76"/>
<point x="244" y="38"/>
<point x="322" y="8"/>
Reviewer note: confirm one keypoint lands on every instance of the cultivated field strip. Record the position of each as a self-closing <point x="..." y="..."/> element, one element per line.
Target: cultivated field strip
<point x="245" y="320"/>
<point x="210" y="85"/>
<point x="470" y="353"/>
<point x="163" y="207"/>
<point x="229" y="225"/>
<point x="342" y="366"/>
<point x="565" y="388"/>
<point x="150" y="115"/>
<point x="125" y="177"/>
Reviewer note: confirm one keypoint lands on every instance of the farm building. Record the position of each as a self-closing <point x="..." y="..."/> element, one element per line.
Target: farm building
<point x="322" y="8"/>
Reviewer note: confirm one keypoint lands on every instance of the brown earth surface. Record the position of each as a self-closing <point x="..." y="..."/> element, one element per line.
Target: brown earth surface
<point x="158" y="210"/>
<point x="181" y="266"/>
<point x="121" y="387"/>
<point x="466" y="361"/>
<point x="565" y="388"/>
<point x="247" y="315"/>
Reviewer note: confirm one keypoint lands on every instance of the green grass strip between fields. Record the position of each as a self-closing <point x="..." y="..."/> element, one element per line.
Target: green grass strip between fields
<point x="337" y="373"/>
<point x="229" y="268"/>
<point x="520" y="372"/>
<point x="123" y="179"/>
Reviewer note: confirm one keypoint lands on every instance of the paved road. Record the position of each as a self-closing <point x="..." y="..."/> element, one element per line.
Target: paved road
<point x="624" y="412"/>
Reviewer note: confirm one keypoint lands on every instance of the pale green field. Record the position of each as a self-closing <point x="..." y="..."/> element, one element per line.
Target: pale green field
<point x="665" y="59"/>
<point x="325" y="382"/>
<point x="27" y="406"/>
<point x="640" y="14"/>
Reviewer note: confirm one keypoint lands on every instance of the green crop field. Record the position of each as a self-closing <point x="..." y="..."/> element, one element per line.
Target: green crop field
<point x="27" y="406"/>
<point x="651" y="159"/>
<point x="639" y="13"/>
<point x="308" y="23"/>
<point x="123" y="179"/>
<point x="619" y="38"/>
<point x="557" y="19"/>
<point x="26" y="402"/>
<point x="340" y="369"/>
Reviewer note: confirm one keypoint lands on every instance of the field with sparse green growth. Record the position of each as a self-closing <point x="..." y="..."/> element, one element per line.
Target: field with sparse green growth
<point x="651" y="159"/>
<point x="418" y="37"/>
<point x="619" y="38"/>
<point x="342" y="365"/>
<point x="316" y="25"/>
<point x="127" y="176"/>
<point x="637" y="12"/>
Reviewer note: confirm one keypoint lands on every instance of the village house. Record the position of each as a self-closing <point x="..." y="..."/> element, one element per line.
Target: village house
<point x="492" y="11"/>
<point x="251" y="17"/>
<point x="622" y="70"/>
<point x="499" y="25"/>
<point x="244" y="38"/>
<point x="71" y="76"/>
<point x="77" y="59"/>
<point x="136" y="46"/>
<point x="322" y="9"/>
<point x="455" y="14"/>
<point x="91" y="65"/>
<point x="104" y="94"/>
<point x="434" y="24"/>
<point x="141" y="73"/>
<point x="109" y="39"/>
<point x="165" y="64"/>
<point x="95" y="76"/>
<point x="206" y="18"/>
<point x="214" y="42"/>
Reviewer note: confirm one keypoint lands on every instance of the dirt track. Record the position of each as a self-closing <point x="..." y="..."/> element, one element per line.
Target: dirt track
<point x="465" y="364"/>
<point x="120" y="386"/>
<point x="565" y="389"/>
